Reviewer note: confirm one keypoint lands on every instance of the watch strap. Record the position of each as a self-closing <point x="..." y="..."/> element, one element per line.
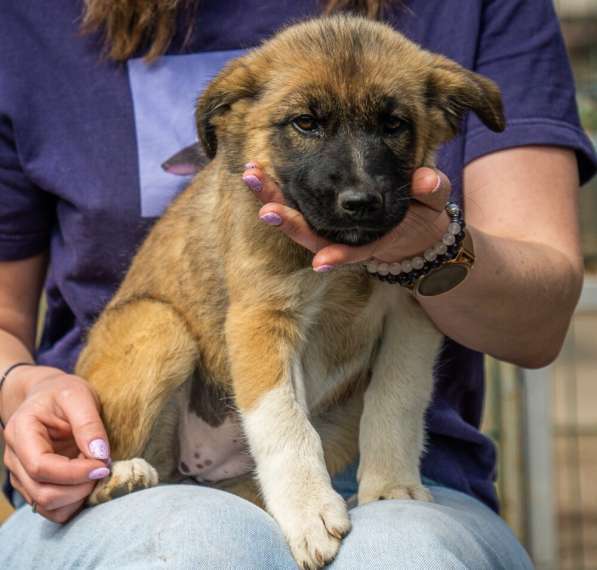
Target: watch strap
<point x="450" y="274"/>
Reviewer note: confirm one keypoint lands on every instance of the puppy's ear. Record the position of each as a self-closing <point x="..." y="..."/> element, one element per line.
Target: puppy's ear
<point x="454" y="90"/>
<point x="235" y="82"/>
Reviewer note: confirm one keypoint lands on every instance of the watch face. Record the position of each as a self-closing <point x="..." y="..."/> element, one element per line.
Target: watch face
<point x="442" y="279"/>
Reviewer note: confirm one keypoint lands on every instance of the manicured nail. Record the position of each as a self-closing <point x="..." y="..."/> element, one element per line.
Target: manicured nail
<point x="99" y="449"/>
<point x="250" y="165"/>
<point x="438" y="183"/>
<point x="99" y="473"/>
<point x="253" y="182"/>
<point x="271" y="218"/>
<point x="324" y="268"/>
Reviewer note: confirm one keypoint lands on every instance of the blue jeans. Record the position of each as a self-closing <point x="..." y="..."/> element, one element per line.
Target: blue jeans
<point x="193" y="527"/>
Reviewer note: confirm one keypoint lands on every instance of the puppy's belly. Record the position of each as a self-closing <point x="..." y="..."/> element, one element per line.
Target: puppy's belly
<point x="209" y="453"/>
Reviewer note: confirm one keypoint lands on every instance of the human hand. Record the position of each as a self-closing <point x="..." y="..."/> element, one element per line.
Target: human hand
<point x="424" y="224"/>
<point x="56" y="445"/>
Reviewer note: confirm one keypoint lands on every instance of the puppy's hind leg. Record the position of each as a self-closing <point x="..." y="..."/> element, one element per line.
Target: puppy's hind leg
<point x="138" y="353"/>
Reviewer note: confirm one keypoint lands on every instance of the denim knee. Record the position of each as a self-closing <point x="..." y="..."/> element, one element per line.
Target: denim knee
<point x="186" y="526"/>
<point x="429" y="536"/>
<point x="178" y="526"/>
<point x="203" y="528"/>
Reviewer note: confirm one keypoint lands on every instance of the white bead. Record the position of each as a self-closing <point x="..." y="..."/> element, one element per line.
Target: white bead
<point x="371" y="266"/>
<point x="418" y="262"/>
<point x="383" y="268"/>
<point x="395" y="268"/>
<point x="406" y="266"/>
<point x="448" y="239"/>
<point x="454" y="228"/>
<point x="430" y="254"/>
<point x="441" y="249"/>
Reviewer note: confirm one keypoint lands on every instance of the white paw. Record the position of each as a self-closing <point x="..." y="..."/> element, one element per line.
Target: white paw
<point x="126" y="477"/>
<point x="314" y="527"/>
<point x="413" y="491"/>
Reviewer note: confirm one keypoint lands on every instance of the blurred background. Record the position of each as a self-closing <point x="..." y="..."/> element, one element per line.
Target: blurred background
<point x="545" y="422"/>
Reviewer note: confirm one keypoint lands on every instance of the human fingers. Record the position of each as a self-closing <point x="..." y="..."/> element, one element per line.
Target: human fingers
<point x="47" y="496"/>
<point x="292" y="223"/>
<point x="80" y="408"/>
<point x="64" y="514"/>
<point x="17" y="485"/>
<point x="28" y="445"/>
<point x="261" y="184"/>
<point x="60" y="515"/>
<point x="338" y="254"/>
<point x="431" y="187"/>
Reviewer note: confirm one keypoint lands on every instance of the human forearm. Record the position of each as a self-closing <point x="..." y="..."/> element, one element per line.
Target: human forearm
<point x="516" y="303"/>
<point x="18" y="318"/>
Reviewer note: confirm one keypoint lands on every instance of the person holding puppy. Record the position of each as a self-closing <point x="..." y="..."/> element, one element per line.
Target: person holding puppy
<point x="71" y="187"/>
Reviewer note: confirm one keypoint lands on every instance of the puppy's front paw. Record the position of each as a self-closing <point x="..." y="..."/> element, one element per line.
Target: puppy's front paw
<point x="315" y="528"/>
<point x="380" y="492"/>
<point x="126" y="477"/>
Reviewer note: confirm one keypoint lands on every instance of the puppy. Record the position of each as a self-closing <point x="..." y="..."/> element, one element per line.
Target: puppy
<point x="223" y="355"/>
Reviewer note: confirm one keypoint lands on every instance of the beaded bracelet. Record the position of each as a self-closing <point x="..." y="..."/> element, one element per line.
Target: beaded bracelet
<point x="408" y="271"/>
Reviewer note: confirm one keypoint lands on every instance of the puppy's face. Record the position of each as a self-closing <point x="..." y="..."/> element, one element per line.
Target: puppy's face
<point x="341" y="111"/>
<point x="344" y="159"/>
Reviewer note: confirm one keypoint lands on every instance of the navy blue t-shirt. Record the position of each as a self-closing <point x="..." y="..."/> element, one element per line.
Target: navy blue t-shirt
<point x="82" y="140"/>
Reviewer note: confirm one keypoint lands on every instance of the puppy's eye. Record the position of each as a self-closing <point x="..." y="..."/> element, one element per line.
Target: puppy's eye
<point x="392" y="125"/>
<point x="306" y="124"/>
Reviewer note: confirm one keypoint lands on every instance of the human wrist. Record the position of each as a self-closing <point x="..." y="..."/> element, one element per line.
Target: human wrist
<point x="18" y="385"/>
<point x="9" y="391"/>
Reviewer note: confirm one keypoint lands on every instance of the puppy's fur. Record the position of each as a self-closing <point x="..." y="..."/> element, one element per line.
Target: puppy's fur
<point x="224" y="313"/>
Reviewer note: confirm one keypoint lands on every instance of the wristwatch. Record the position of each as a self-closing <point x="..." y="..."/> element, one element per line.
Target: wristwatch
<point x="450" y="274"/>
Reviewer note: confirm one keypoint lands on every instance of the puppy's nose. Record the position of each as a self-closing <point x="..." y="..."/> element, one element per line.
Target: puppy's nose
<point x="359" y="203"/>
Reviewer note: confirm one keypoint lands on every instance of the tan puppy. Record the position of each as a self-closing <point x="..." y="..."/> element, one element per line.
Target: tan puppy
<point x="222" y="327"/>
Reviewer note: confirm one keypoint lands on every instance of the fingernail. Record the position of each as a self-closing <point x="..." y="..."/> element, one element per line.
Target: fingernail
<point x="250" y="165"/>
<point x="271" y="218"/>
<point x="438" y="183"/>
<point x="99" y="473"/>
<point x="99" y="449"/>
<point x="253" y="182"/>
<point x="324" y="268"/>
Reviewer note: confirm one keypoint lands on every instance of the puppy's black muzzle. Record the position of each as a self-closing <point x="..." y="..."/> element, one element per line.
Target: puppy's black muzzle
<point x="359" y="204"/>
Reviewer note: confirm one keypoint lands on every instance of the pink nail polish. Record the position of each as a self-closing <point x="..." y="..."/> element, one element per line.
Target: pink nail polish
<point x="99" y="473"/>
<point x="324" y="268"/>
<point x="99" y="449"/>
<point x="271" y="218"/>
<point x="253" y="182"/>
